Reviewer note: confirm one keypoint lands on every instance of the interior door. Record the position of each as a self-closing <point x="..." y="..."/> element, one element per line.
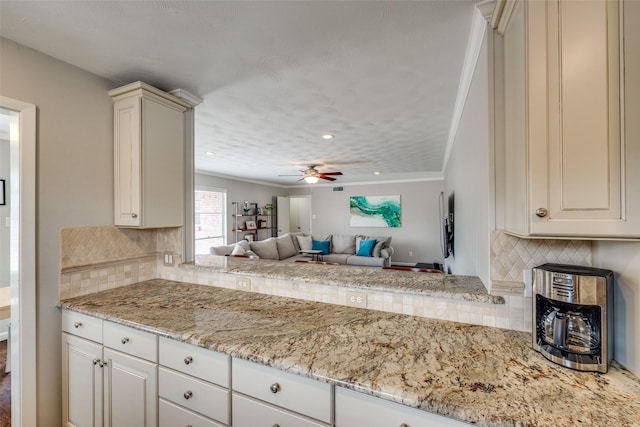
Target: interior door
<point x="283" y="215"/>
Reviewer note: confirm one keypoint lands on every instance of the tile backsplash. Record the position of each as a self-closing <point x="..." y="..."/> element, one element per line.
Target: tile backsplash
<point x="510" y="255"/>
<point x="97" y="258"/>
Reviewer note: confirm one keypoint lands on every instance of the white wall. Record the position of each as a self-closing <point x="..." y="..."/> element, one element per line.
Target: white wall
<point x="624" y="259"/>
<point x="420" y="216"/>
<point x="75" y="182"/>
<point x="239" y="191"/>
<point x="467" y="176"/>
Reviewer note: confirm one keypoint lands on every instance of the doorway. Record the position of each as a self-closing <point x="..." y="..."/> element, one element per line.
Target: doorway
<point x="294" y="214"/>
<point x="19" y="197"/>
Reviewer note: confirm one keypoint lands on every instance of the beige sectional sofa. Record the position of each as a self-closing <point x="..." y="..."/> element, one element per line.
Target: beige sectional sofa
<point x="349" y="249"/>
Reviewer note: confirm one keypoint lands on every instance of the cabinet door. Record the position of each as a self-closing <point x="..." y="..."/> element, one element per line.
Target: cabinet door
<point x="574" y="129"/>
<point x="127" y="161"/>
<point x="130" y="391"/>
<point x="81" y="382"/>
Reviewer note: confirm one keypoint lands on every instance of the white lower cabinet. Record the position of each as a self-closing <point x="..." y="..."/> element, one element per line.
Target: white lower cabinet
<point x="193" y="385"/>
<point x="295" y="393"/>
<point x="81" y="382"/>
<point x="130" y="396"/>
<point x="249" y="412"/>
<point x="355" y="409"/>
<point x="104" y="387"/>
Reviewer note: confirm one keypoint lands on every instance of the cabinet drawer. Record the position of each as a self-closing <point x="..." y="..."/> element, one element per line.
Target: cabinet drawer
<point x="303" y="395"/>
<point x="199" y="396"/>
<point x="248" y="412"/>
<point x="195" y="361"/>
<point x="82" y="325"/>
<point x="131" y="341"/>
<point x="172" y="415"/>
<point x="357" y="409"/>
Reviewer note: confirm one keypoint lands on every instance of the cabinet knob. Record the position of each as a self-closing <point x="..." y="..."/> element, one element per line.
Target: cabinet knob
<point x="188" y="360"/>
<point x="188" y="394"/>
<point x="134" y="215"/>
<point x="276" y="425"/>
<point x="275" y="387"/>
<point x="77" y="325"/>
<point x="124" y="340"/>
<point x="541" y="212"/>
<point x="404" y="425"/>
<point x="102" y="363"/>
<point x="96" y="361"/>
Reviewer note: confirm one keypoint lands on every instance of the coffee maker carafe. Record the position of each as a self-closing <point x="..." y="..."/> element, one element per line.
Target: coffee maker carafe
<point x="573" y="316"/>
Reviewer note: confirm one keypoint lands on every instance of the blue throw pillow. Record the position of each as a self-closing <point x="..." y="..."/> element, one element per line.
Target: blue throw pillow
<point x="317" y="245"/>
<point x="366" y="247"/>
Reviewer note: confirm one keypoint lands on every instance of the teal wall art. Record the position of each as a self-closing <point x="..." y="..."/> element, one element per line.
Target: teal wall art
<point x="374" y="211"/>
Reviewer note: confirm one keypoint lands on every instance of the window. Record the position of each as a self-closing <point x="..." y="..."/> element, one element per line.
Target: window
<point x="210" y="219"/>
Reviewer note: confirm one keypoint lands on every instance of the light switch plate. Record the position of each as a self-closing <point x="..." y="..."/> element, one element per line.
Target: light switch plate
<point x="356" y="299"/>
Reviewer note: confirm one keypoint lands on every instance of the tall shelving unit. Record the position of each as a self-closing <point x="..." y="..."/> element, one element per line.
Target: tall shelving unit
<point x="264" y="223"/>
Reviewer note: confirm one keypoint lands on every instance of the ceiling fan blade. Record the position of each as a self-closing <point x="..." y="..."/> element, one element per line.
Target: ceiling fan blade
<point x="328" y="178"/>
<point x="331" y="173"/>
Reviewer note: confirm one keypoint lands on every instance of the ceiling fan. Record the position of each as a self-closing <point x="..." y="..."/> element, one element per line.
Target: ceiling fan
<point x="312" y="175"/>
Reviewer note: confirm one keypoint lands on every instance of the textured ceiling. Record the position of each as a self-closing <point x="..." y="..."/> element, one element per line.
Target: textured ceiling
<point x="382" y="76"/>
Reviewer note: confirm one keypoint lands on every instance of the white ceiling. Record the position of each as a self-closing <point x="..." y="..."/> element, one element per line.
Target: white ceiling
<point x="382" y="76"/>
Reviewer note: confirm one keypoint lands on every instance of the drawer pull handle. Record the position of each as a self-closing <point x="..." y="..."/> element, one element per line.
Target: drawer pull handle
<point x="275" y="387"/>
<point x="77" y="325"/>
<point x="188" y="360"/>
<point x="188" y="394"/>
<point x="124" y="340"/>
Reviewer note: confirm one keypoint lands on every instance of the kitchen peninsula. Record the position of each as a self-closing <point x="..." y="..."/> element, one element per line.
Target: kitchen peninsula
<point x="476" y="374"/>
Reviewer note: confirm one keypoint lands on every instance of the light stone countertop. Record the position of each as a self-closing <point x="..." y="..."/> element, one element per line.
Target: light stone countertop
<point x="477" y="374"/>
<point x="466" y="288"/>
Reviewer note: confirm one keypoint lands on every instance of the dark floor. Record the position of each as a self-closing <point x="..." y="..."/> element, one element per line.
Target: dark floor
<point x="5" y="389"/>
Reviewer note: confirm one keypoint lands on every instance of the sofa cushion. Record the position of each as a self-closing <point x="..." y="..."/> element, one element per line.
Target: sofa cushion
<point x="385" y="239"/>
<point x="339" y="258"/>
<point x="344" y="244"/>
<point x="238" y="250"/>
<point x="286" y="249"/>
<point x="304" y="243"/>
<point x="266" y="249"/>
<point x="377" y="249"/>
<point x="365" y="261"/>
<point x="321" y="245"/>
<point x="366" y="247"/>
<point x="221" y="250"/>
<point x="294" y="237"/>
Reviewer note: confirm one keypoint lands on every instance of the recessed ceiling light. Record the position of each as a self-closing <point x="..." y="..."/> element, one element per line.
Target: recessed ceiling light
<point x="328" y="136"/>
<point x="376" y="173"/>
<point x="208" y="153"/>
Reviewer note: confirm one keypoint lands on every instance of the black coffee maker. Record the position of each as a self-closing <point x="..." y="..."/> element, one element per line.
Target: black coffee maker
<point x="573" y="315"/>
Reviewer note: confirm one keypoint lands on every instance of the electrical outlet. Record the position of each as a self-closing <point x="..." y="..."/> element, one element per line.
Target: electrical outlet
<point x="356" y="299"/>
<point x="410" y="253"/>
<point x="243" y="283"/>
<point x="168" y="258"/>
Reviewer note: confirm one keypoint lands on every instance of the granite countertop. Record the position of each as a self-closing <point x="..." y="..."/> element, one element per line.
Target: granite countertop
<point x="466" y="288"/>
<point x="481" y="375"/>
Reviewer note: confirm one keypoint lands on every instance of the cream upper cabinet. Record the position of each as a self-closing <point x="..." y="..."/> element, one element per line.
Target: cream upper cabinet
<point x="568" y="102"/>
<point x="149" y="141"/>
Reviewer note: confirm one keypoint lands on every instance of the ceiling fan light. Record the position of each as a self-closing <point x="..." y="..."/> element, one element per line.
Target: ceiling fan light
<point x="311" y="179"/>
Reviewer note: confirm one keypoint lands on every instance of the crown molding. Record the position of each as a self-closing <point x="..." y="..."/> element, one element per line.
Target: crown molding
<point x="186" y="96"/>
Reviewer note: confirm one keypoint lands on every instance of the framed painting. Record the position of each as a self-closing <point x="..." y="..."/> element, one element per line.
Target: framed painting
<point x="375" y="211"/>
